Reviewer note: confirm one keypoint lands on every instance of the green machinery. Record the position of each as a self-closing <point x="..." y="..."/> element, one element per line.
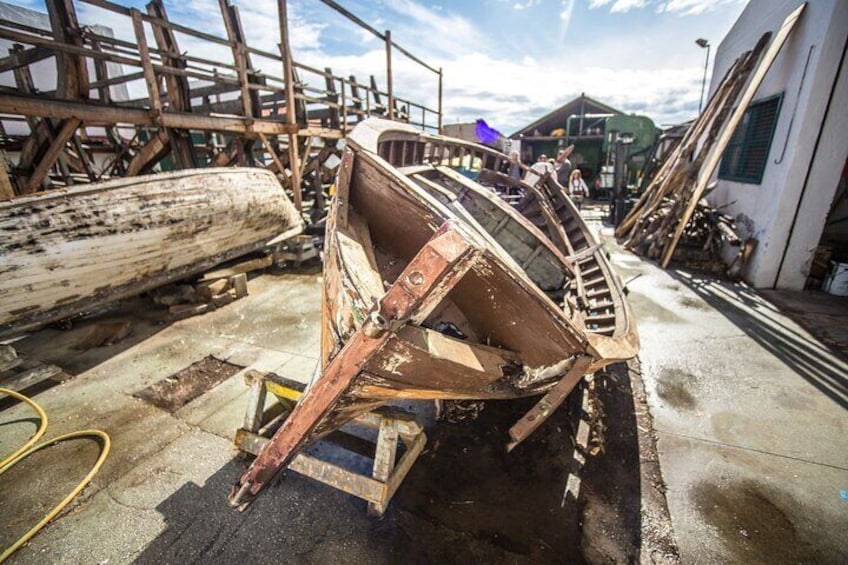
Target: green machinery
<point x="594" y="137"/>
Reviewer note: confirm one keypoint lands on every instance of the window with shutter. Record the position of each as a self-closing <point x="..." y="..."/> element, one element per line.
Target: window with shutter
<point x="745" y="157"/>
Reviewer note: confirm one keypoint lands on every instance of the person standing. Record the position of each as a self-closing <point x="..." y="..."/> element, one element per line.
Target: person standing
<point x="577" y="188"/>
<point x="542" y="166"/>
<point x="563" y="167"/>
<point x="514" y="165"/>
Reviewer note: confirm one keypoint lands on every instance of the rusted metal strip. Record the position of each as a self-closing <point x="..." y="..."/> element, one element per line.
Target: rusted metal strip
<point x="440" y="260"/>
<point x="550" y="402"/>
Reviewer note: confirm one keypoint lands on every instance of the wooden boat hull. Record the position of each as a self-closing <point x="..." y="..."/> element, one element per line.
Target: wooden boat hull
<point x="68" y="250"/>
<point x="434" y="288"/>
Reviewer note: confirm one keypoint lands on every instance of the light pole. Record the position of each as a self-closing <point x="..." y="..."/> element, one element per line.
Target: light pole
<point x="701" y="42"/>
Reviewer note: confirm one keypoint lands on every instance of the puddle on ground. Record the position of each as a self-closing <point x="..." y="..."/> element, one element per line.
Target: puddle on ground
<point x="751" y="524"/>
<point x="696" y="303"/>
<point x="646" y="308"/>
<point x="673" y="388"/>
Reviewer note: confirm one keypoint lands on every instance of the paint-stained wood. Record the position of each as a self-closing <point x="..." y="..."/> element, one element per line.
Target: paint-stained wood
<point x="460" y="316"/>
<point x="68" y="250"/>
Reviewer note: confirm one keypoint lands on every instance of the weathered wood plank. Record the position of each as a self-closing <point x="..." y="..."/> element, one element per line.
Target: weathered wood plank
<point x="53" y="151"/>
<point x="100" y="114"/>
<point x="70" y="249"/>
<point x="717" y="150"/>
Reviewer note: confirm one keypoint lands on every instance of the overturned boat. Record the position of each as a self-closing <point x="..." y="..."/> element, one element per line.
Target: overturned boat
<point x="436" y="288"/>
<point x="68" y="250"/>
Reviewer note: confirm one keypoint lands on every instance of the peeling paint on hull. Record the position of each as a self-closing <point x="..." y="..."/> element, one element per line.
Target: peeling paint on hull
<point x="66" y="251"/>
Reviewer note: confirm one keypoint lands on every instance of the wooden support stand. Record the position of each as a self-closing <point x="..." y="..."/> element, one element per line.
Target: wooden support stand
<point x="393" y="425"/>
<point x="298" y="249"/>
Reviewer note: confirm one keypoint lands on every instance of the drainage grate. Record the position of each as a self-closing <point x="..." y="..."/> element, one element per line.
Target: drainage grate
<point x="187" y="384"/>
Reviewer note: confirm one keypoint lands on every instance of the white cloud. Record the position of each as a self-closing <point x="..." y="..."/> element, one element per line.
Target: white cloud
<point x="694" y="7"/>
<point x="525" y="5"/>
<point x="484" y="76"/>
<point x="623" y="6"/>
<point x="566" y="9"/>
<point x="679" y="7"/>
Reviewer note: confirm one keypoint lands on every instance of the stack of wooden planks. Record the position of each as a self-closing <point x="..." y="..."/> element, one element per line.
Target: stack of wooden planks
<point x="672" y="207"/>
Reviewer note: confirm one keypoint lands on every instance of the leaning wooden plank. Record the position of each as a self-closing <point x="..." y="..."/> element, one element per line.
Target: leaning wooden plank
<point x="34" y="373"/>
<point x="542" y="410"/>
<point x="717" y="150"/>
<point x="7" y="192"/>
<point x="53" y="151"/>
<point x="68" y="250"/>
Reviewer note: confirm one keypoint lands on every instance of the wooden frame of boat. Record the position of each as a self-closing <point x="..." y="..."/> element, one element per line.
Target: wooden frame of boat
<point x="435" y="288"/>
<point x="66" y="251"/>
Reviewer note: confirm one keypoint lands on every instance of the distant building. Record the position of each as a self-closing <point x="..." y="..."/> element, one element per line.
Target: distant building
<point x="783" y="175"/>
<point x="587" y="124"/>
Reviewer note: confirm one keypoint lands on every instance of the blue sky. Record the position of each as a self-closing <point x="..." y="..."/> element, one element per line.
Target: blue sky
<point x="506" y="61"/>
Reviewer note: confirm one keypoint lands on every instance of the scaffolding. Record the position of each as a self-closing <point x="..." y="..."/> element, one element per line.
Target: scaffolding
<point x="196" y="110"/>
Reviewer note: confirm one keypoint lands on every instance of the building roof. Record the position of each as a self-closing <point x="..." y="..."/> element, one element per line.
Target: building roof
<point x="556" y="119"/>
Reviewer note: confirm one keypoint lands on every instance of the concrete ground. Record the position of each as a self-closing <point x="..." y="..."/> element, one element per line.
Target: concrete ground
<point x="161" y="497"/>
<point x="749" y="418"/>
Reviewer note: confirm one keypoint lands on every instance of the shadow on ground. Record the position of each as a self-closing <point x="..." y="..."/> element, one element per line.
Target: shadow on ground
<point x="465" y="500"/>
<point x="752" y="314"/>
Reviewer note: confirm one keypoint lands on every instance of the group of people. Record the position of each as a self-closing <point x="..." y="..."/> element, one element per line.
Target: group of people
<point x="570" y="179"/>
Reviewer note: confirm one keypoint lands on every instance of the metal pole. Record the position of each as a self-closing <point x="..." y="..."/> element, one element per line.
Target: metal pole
<point x="704" y="80"/>
<point x="391" y="111"/>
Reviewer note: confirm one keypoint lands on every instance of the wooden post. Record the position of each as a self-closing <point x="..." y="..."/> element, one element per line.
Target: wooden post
<point x="177" y="86"/>
<point x="146" y="65"/>
<point x="384" y="459"/>
<point x="72" y="73"/>
<point x="49" y="159"/>
<point x="344" y="108"/>
<point x="6" y="190"/>
<point x="391" y="112"/>
<point x="239" y="55"/>
<point x="440" y="100"/>
<point x="285" y="48"/>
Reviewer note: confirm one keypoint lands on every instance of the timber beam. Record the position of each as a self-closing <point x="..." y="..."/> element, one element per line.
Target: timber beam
<point x="100" y="114"/>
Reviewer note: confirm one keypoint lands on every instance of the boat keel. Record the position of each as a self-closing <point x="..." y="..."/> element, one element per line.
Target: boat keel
<point x="423" y="284"/>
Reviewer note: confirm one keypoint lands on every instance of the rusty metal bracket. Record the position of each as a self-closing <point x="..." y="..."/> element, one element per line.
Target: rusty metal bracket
<point x="421" y="287"/>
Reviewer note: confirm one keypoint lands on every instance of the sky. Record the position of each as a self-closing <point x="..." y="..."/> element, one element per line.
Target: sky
<point x="508" y="62"/>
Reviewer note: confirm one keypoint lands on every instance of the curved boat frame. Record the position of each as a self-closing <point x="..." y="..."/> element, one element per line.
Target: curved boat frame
<point x="435" y="288"/>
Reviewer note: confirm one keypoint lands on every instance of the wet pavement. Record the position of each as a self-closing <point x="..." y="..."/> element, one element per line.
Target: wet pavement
<point x="747" y="442"/>
<point x="162" y="495"/>
<point x="751" y="416"/>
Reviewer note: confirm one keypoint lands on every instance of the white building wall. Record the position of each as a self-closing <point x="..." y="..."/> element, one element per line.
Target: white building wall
<point x="766" y="211"/>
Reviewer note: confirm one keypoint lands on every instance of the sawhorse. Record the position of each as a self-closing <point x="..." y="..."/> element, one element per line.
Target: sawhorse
<point x="393" y="425"/>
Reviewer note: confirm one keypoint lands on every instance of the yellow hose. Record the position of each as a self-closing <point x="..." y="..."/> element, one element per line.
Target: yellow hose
<point x="41" y="428"/>
<point x="19" y="456"/>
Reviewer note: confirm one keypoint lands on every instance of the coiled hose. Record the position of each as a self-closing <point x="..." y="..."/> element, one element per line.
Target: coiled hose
<point x="29" y="448"/>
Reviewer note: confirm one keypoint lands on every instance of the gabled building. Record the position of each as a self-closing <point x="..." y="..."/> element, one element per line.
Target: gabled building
<point x="783" y="175"/>
<point x="588" y="124"/>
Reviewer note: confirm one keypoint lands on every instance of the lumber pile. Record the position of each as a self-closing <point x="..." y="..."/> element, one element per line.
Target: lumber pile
<point x="672" y="209"/>
<point x="706" y="237"/>
<point x="649" y="227"/>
